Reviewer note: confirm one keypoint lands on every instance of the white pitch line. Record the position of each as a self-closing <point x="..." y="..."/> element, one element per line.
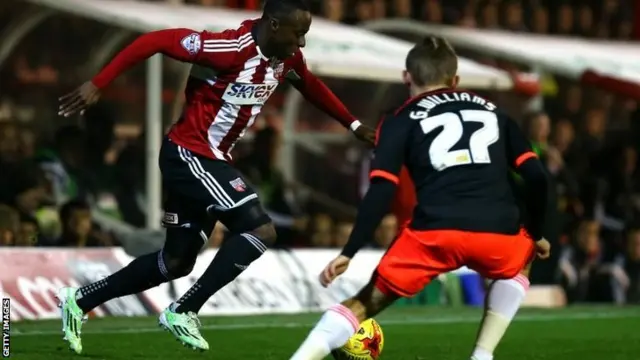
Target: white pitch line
<point x="399" y="321"/>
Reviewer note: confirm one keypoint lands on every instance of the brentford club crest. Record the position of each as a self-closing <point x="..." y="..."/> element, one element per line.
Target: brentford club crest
<point x="279" y="70"/>
<point x="238" y="185"/>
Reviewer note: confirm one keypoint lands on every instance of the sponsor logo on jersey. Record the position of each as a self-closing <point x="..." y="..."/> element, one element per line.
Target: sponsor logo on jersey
<point x="238" y="185"/>
<point x="248" y="94"/>
<point x="191" y="43"/>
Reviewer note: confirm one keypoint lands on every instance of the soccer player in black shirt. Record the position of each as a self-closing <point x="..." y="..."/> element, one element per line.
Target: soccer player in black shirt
<point x="459" y="151"/>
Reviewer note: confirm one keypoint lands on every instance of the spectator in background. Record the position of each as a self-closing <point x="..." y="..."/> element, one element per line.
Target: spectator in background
<point x="489" y="16"/>
<point x="593" y="139"/>
<point x="582" y="274"/>
<point x="514" y="20"/>
<point x="63" y="162"/>
<point x="539" y="127"/>
<point x="78" y="229"/>
<point x="333" y="10"/>
<point x="626" y="271"/>
<point x="623" y="197"/>
<point x="585" y="23"/>
<point x="567" y="186"/>
<point x="563" y="140"/>
<point x="321" y="231"/>
<point x="564" y="19"/>
<point x="540" y="21"/>
<point x="9" y="226"/>
<point x="16" y="230"/>
<point x="9" y="144"/>
<point x="572" y="105"/>
<point x="433" y="11"/>
<point x="363" y="11"/>
<point x="594" y="163"/>
<point x="401" y="8"/>
<point x="29" y="233"/>
<point x="28" y="143"/>
<point x="24" y="188"/>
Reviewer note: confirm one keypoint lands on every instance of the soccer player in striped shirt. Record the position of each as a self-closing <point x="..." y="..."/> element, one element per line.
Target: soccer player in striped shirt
<point x="234" y="73"/>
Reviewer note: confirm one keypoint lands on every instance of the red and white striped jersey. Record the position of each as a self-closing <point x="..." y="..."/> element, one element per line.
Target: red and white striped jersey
<point x="229" y="83"/>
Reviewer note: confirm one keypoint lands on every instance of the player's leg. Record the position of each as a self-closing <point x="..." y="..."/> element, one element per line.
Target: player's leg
<point x="181" y="229"/>
<point x="252" y="232"/>
<point x="407" y="267"/>
<point x="175" y="260"/>
<point x="239" y="209"/>
<point x="341" y="321"/>
<point x="506" y="294"/>
<point x="184" y="239"/>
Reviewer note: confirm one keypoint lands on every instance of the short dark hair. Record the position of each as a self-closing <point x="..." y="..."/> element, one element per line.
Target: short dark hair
<point x="279" y="8"/>
<point x="432" y="61"/>
<point x="68" y="208"/>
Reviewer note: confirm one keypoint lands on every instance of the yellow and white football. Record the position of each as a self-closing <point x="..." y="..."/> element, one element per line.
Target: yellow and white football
<point x="365" y="344"/>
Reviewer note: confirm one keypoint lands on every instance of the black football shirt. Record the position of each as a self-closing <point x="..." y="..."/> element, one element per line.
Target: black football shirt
<point x="459" y="150"/>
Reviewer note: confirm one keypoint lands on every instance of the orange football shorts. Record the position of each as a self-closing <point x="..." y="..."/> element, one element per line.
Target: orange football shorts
<point x="416" y="257"/>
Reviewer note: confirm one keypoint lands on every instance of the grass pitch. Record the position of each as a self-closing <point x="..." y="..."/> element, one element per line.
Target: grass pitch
<point x="411" y="333"/>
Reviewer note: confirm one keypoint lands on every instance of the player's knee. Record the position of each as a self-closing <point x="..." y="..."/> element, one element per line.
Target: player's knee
<point x="266" y="233"/>
<point x="180" y="251"/>
<point x="177" y="266"/>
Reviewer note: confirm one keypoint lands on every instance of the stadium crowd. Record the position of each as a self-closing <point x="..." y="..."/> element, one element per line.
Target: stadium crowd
<point x="56" y="174"/>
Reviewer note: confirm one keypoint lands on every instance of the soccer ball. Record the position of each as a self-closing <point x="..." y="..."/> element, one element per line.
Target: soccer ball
<point x="366" y="344"/>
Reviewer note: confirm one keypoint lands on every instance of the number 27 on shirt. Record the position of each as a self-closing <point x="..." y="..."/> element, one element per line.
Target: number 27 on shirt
<point x="477" y="152"/>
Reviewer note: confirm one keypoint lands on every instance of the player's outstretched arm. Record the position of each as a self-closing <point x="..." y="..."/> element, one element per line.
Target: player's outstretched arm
<point x="205" y="48"/>
<point x="316" y="92"/>
<point x="179" y="44"/>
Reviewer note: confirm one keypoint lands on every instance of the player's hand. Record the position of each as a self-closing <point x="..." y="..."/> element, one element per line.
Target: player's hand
<point x="79" y="99"/>
<point x="543" y="249"/>
<point x="365" y="134"/>
<point x="334" y="269"/>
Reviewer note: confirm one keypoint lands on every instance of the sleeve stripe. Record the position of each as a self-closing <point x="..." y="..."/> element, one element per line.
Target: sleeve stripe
<point x="217" y="45"/>
<point x="385" y="175"/>
<point x="524" y="157"/>
<point x="228" y="41"/>
<point x="225" y="45"/>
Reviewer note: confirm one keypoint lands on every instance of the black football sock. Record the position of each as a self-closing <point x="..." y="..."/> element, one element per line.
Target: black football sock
<point x="141" y="274"/>
<point x="233" y="257"/>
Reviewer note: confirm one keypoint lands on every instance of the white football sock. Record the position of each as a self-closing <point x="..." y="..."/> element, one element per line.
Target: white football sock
<point x="503" y="302"/>
<point x="333" y="330"/>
